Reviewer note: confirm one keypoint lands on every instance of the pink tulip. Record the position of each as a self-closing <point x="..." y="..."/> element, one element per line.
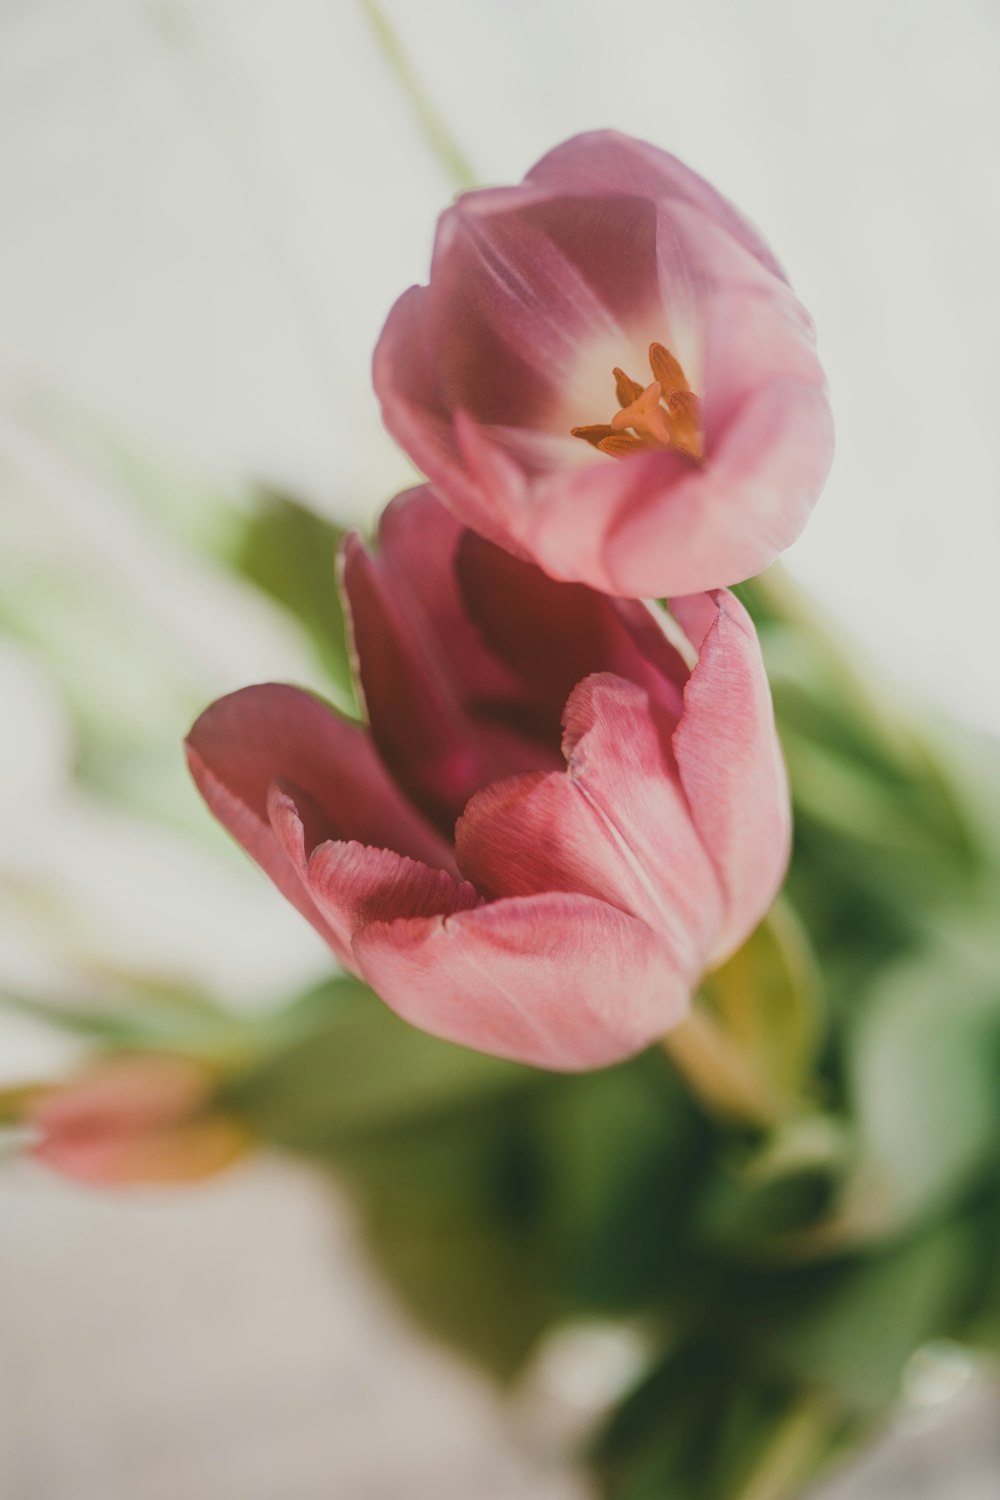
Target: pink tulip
<point x="134" y="1119"/>
<point x="609" y="374"/>
<point x="549" y="894"/>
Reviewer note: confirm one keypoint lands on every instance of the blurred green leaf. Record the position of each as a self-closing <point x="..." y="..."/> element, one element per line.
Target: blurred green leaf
<point x="140" y="1013"/>
<point x="290" y="553"/>
<point x="712" y="1424"/>
<point x="356" y="1069"/>
<point x="855" y="1337"/>
<point x="624" y="1152"/>
<point x="923" y="1064"/>
<point x="449" y="1209"/>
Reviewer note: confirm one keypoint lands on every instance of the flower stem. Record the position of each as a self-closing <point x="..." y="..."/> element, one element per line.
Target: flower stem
<point x="437" y="135"/>
<point x="719" y="1073"/>
<point x="794" y="1453"/>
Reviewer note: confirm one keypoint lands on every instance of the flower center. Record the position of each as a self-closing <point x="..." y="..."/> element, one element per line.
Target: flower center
<point x="665" y="414"/>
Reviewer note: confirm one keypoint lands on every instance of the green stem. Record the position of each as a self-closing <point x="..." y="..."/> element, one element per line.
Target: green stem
<point x="719" y="1073"/>
<point x="793" y="1455"/>
<point x="435" y="132"/>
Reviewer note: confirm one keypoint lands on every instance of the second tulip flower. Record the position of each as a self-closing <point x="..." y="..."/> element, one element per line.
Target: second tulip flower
<point x="564" y="808"/>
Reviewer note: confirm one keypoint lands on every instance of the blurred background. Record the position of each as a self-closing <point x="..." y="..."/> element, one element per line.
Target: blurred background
<point x="208" y="207"/>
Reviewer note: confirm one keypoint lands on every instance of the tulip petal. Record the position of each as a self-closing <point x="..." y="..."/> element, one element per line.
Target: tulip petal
<point x="523" y="285"/>
<point x="615" y="825"/>
<point x="730" y="764"/>
<point x="353" y="885"/>
<point x="559" y="633"/>
<point x="418" y="542"/>
<point x="610" y="162"/>
<point x="413" y="413"/>
<point x="557" y="981"/>
<point x="435" y="696"/>
<point x="245" y="742"/>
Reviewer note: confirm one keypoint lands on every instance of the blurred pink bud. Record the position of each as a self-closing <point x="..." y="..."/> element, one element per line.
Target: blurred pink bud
<point x="622" y="817"/>
<point x="135" y="1118"/>
<point x="609" y="374"/>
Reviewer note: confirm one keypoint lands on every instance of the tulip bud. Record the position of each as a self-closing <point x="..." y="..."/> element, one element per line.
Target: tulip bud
<point x="134" y="1119"/>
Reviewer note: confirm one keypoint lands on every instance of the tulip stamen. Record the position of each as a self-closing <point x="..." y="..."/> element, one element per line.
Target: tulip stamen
<point x="664" y="414"/>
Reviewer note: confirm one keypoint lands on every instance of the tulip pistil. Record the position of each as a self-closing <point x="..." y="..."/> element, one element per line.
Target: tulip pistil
<point x="664" y="414"/>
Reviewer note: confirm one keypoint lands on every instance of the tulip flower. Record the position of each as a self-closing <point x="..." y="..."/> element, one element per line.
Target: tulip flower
<point x="563" y="809"/>
<point x="609" y="374"/>
<point x="134" y="1119"/>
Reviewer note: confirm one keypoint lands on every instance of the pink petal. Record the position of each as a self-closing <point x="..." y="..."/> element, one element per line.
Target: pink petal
<point x="418" y="542"/>
<point x="731" y="767"/>
<point x="523" y="282"/>
<point x="557" y="981"/>
<point x="615" y="825"/>
<point x="353" y="885"/>
<point x="245" y="742"/>
<point x="560" y="633"/>
<point x="412" y="410"/>
<point x="657" y="531"/>
<point x="127" y="1094"/>
<point x="428" y="680"/>
<point x="608" y="161"/>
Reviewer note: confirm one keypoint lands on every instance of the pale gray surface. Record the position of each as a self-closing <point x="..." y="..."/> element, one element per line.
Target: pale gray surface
<point x="223" y="1343"/>
<point x="953" y="1454"/>
<point x="227" y="1343"/>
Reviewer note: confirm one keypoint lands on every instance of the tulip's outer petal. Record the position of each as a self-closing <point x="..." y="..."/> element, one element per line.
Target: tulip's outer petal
<point x="245" y="742"/>
<point x="558" y="981"/>
<point x="610" y="162"/>
<point x="615" y="825"/>
<point x="730" y="764"/>
<point x="552" y="634"/>
<point x="723" y="523"/>
<point x="406" y="383"/>
<point x="568" y="523"/>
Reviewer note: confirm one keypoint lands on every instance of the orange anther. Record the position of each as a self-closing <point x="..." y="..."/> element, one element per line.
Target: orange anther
<point x="665" y="414"/>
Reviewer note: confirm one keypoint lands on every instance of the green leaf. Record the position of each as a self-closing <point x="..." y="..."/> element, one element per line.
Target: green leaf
<point x="923" y="1063"/>
<point x="290" y="553"/>
<point x="854" y="1337"/>
<point x="356" y="1069"/>
<point x="139" y="1013"/>
<point x="623" y="1152"/>
<point x="711" y="1423"/>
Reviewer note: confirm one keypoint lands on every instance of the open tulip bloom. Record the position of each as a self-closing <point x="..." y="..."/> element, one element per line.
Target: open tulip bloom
<point x="564" y="808"/>
<point x="609" y="374"/>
